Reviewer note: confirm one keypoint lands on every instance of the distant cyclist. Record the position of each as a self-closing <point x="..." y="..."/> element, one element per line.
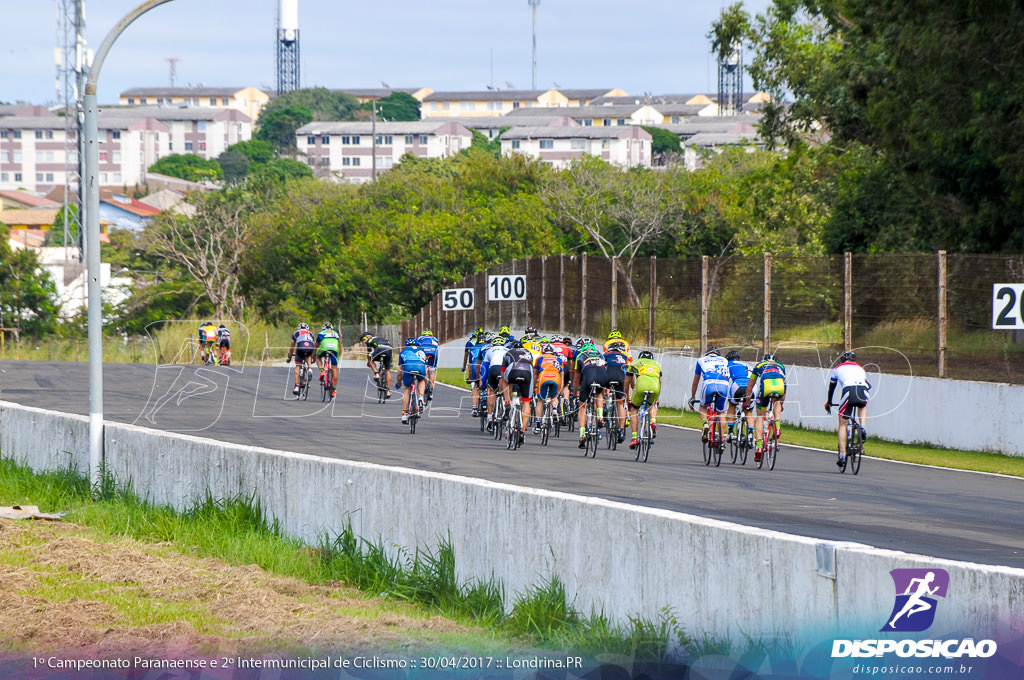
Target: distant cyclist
<point x="590" y="376"/>
<point x="475" y="345"/>
<point x="548" y="376"/>
<point x="769" y="380"/>
<point x="328" y="349"/>
<point x="428" y="343"/>
<point x="531" y="334"/>
<point x="644" y="376"/>
<point x="224" y="344"/>
<point x="739" y="378"/>
<point x="618" y="359"/>
<point x="712" y="373"/>
<point x="489" y="369"/>
<point x="517" y="369"/>
<point x="852" y="380"/>
<point x="301" y="348"/>
<point x="615" y="336"/>
<point x="412" y="370"/>
<point x="207" y="338"/>
<point x="378" y="350"/>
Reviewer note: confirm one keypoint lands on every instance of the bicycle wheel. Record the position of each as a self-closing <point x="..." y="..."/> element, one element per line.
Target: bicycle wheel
<point x="855" y="449"/>
<point x="771" y="449"/>
<point x="764" y="445"/>
<point x="641" y="429"/>
<point x="483" y="412"/>
<point x="706" y="447"/>
<point x="734" y="444"/>
<point x="715" y="438"/>
<point x="744" y="434"/>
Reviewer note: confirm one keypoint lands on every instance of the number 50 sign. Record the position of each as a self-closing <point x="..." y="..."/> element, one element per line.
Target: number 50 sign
<point x="1008" y="306"/>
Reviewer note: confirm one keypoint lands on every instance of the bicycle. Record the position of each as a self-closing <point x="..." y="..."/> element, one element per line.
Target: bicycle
<point x="713" y="441"/>
<point x="742" y="436"/>
<point x="591" y="431"/>
<point x="482" y="410"/>
<point x="498" y="417"/>
<point x="224" y="357"/>
<point x="327" y="386"/>
<point x="305" y="377"/>
<point x="854" y="443"/>
<point x="645" y="434"/>
<point x="415" y="405"/>
<point x="611" y="425"/>
<point x="770" y="438"/>
<point x="209" y="359"/>
<point x="381" y="382"/>
<point x="547" y="423"/>
<point x="514" y="432"/>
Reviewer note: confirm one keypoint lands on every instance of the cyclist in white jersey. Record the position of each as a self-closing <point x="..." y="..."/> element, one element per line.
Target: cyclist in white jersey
<point x="852" y="381"/>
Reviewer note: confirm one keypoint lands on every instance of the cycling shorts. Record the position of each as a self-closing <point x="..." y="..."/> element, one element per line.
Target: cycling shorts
<point x="431" y="357"/>
<point x="471" y="374"/>
<point x="716" y="390"/>
<point x="303" y="354"/>
<point x="738" y="393"/>
<point x="592" y="375"/>
<point x="522" y="378"/>
<point x="411" y="372"/>
<point x="493" y="375"/>
<point x="616" y="380"/>
<point x="769" y="387"/>
<point x="384" y="355"/>
<point x="548" y="387"/>
<point x="329" y="354"/>
<point x="645" y="383"/>
<point x="225" y="343"/>
<point x="854" y="395"/>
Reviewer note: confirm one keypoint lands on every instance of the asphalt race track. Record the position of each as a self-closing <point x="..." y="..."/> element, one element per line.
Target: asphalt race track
<point x="943" y="513"/>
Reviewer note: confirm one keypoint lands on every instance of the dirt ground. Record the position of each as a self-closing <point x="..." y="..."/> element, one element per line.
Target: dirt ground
<point x="63" y="592"/>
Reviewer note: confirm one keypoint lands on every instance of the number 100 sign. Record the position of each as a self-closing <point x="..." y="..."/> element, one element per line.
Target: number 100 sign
<point x="1008" y="306"/>
<point x="506" y="287"/>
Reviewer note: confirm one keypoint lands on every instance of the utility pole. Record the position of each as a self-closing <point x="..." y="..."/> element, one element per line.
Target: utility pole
<point x="533" y="7"/>
<point x="373" y="138"/>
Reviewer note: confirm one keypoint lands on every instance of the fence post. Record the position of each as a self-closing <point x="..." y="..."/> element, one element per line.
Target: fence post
<point x="513" y="303"/>
<point x="943" y="318"/>
<point x="767" y="302"/>
<point x="561" y="295"/>
<point x="615" y="292"/>
<point x="583" y="296"/>
<point x="705" y="295"/>
<point x="543" y="289"/>
<point x="847" y="301"/>
<point x="652" y="300"/>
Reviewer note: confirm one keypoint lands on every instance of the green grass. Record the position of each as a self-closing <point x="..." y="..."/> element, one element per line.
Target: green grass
<point x="237" y="532"/>
<point x="924" y="454"/>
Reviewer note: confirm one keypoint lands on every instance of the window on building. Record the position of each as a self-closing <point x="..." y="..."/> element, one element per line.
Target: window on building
<point x="547" y="144"/>
<point x="49" y="177"/>
<point x="213" y="101"/>
<point x="116" y="134"/>
<point x="578" y="144"/>
<point x="117" y="178"/>
<point x="201" y="125"/>
<point x="388" y="139"/>
<point x="355" y="161"/>
<point x="188" y="146"/>
<point x="117" y="156"/>
<point x="48" y="156"/>
<point x="346" y="161"/>
<point x="224" y="101"/>
<point x="17" y="177"/>
<point x="143" y="100"/>
<point x="379" y="139"/>
<point x="325" y="160"/>
<point x="325" y="139"/>
<point x="3" y="134"/>
<point x="104" y="178"/>
<point x="408" y="139"/>
<point x="467" y="106"/>
<point x="620" y="121"/>
<point x="4" y="176"/>
<point x="676" y="119"/>
<point x="159" y="101"/>
<point x="515" y="105"/>
<point x="345" y="139"/>
<point x="606" y="144"/>
<point x="49" y="134"/>
<point x="355" y="139"/>
<point x="17" y="156"/>
<point x="17" y="134"/>
<point x="202" y="146"/>
<point x="131" y="101"/>
<point x="103" y="156"/>
<point x="5" y="157"/>
<point x="39" y="177"/>
<point x="311" y="140"/>
<point x="433" y="106"/>
<point x="515" y="143"/>
<point x="606" y="121"/>
<point x="423" y="139"/>
<point x="39" y="134"/>
<point x="588" y="123"/>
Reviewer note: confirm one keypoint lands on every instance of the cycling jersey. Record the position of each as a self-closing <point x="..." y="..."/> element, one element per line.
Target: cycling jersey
<point x="428" y="343"/>
<point x="473" y="350"/>
<point x="328" y="341"/>
<point x="303" y="339"/>
<point x="207" y="333"/>
<point x="770" y="381"/>
<point x="852" y="380"/>
<point x="549" y="369"/>
<point x="517" y="368"/>
<point x="714" y="373"/>
<point x="533" y="347"/>
<point x="413" y="363"/>
<point x="647" y="378"/>
<point x="739" y="378"/>
<point x="223" y="337"/>
<point x="379" y="349"/>
<point x="492" y="355"/>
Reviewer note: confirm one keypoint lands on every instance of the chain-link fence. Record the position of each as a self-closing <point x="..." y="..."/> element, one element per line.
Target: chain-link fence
<point x="922" y="314"/>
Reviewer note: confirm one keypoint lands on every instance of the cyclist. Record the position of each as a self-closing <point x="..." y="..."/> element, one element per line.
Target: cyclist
<point x="378" y="349"/>
<point x="589" y="368"/>
<point x="224" y="344"/>
<point x="644" y="375"/>
<point x="615" y="337"/>
<point x="532" y="344"/>
<point x="328" y="347"/>
<point x="739" y="378"/>
<point x="618" y="359"/>
<point x="852" y="380"/>
<point x="548" y="371"/>
<point x="489" y="369"/>
<point x="517" y="369"/>
<point x="769" y="378"/>
<point x="412" y="368"/>
<point x="428" y="343"/>
<point x="531" y="334"/>
<point x="563" y="346"/>
<point x="506" y="333"/>
<point x="207" y="336"/>
<point x="474" y="346"/>
<point x="301" y="348"/>
<point x="712" y="370"/>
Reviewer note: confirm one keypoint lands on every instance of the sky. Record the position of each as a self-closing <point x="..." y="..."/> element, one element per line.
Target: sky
<point x="659" y="46"/>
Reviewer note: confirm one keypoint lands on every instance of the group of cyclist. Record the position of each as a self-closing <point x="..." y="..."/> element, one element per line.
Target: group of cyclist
<point x="538" y="367"/>
<point x="214" y="340"/>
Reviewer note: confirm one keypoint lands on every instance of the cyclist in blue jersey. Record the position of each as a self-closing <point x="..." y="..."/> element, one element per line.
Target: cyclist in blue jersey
<point x="412" y="370"/>
<point x="712" y="372"/>
<point x="328" y="348"/>
<point x="474" y="346"/>
<point x="301" y="348"/>
<point x="739" y="377"/>
<point x="618" y="358"/>
<point x="428" y="343"/>
<point x="489" y="369"/>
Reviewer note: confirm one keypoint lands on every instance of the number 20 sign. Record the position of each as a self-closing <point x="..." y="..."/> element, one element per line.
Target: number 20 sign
<point x="1008" y="306"/>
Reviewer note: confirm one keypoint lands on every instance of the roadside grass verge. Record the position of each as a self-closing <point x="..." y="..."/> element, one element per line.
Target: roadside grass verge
<point x="923" y="454"/>
<point x="420" y="583"/>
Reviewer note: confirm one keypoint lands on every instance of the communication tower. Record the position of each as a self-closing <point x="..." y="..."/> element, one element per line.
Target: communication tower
<point x="287" y="46"/>
<point x="730" y="82"/>
<point x="71" y="57"/>
<point x="533" y="8"/>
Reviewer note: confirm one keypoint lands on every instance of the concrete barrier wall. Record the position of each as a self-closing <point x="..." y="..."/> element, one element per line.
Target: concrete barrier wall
<point x="715" y="577"/>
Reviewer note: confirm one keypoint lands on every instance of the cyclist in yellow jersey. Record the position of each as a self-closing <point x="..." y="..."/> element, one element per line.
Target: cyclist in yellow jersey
<point x="643" y="375"/>
<point x="615" y="337"/>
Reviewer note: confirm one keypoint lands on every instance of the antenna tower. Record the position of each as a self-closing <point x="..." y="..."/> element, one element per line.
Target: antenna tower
<point x="533" y="8"/>
<point x="730" y="82"/>
<point x="287" y="46"/>
<point x="173" y="61"/>
<point x="71" y="73"/>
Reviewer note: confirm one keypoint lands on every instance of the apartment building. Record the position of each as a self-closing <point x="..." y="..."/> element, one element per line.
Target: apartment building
<point x="355" y="151"/>
<point x="32" y="150"/>
<point x="248" y="100"/>
<point x="501" y="102"/>
<point x="606" y="115"/>
<point x="557" y="146"/>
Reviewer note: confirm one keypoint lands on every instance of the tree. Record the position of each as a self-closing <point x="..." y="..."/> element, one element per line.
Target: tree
<point x="28" y="297"/>
<point x="277" y="127"/>
<point x="396" y="106"/>
<point x="664" y="144"/>
<point x="209" y="245"/>
<point x="235" y="165"/>
<point x="280" y="170"/>
<point x="189" y="167"/>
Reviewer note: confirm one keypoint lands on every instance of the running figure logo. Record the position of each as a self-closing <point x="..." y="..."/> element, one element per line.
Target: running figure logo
<point x="916" y="589"/>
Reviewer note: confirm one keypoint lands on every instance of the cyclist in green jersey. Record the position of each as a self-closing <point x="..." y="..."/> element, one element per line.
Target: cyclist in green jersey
<point x="328" y="348"/>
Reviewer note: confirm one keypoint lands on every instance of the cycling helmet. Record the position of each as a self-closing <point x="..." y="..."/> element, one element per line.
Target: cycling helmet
<point x="548" y="348"/>
<point x="530" y="330"/>
<point x="428" y="333"/>
<point x="768" y="357"/>
<point x="618" y="345"/>
<point x="645" y="354"/>
<point x="365" y="336"/>
<point x="504" y="331"/>
<point x="499" y="340"/>
<point x="847" y="356"/>
<point x="409" y="342"/>
<point x="588" y="346"/>
<point x="545" y="340"/>
<point x="303" y="326"/>
<point x="615" y="334"/>
<point x="567" y="340"/>
<point x="327" y="326"/>
<point x="733" y="355"/>
<point x="223" y="326"/>
<point x="711" y="350"/>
